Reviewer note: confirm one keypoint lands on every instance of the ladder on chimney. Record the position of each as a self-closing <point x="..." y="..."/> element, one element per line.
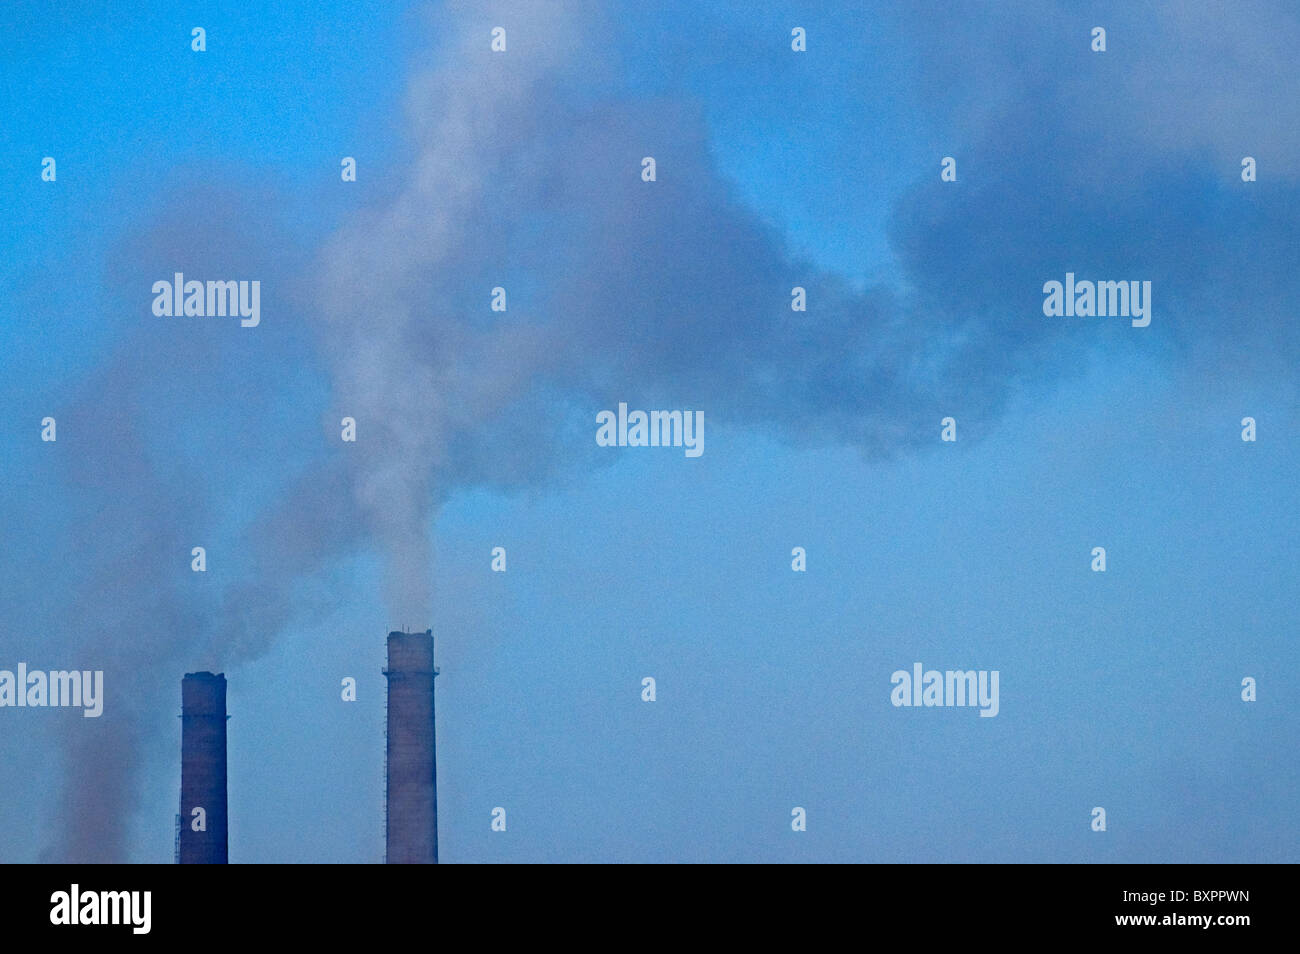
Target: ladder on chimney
<point x="176" y="845"/>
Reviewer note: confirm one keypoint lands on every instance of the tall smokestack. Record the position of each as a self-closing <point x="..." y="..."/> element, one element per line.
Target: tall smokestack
<point x="203" y="770"/>
<point x="412" y="805"/>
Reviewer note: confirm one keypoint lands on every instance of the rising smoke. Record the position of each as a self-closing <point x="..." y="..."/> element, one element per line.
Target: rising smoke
<point x="526" y="176"/>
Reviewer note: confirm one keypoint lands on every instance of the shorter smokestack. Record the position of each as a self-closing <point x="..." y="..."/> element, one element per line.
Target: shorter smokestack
<point x="203" y="831"/>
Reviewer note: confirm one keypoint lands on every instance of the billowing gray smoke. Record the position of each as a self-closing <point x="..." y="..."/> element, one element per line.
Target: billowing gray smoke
<point x="671" y="294"/>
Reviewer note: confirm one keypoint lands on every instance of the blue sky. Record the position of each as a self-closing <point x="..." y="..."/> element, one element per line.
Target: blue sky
<point x="776" y="169"/>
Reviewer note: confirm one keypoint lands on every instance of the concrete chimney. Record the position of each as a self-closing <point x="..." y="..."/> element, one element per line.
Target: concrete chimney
<point x="412" y="785"/>
<point x="203" y="770"/>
